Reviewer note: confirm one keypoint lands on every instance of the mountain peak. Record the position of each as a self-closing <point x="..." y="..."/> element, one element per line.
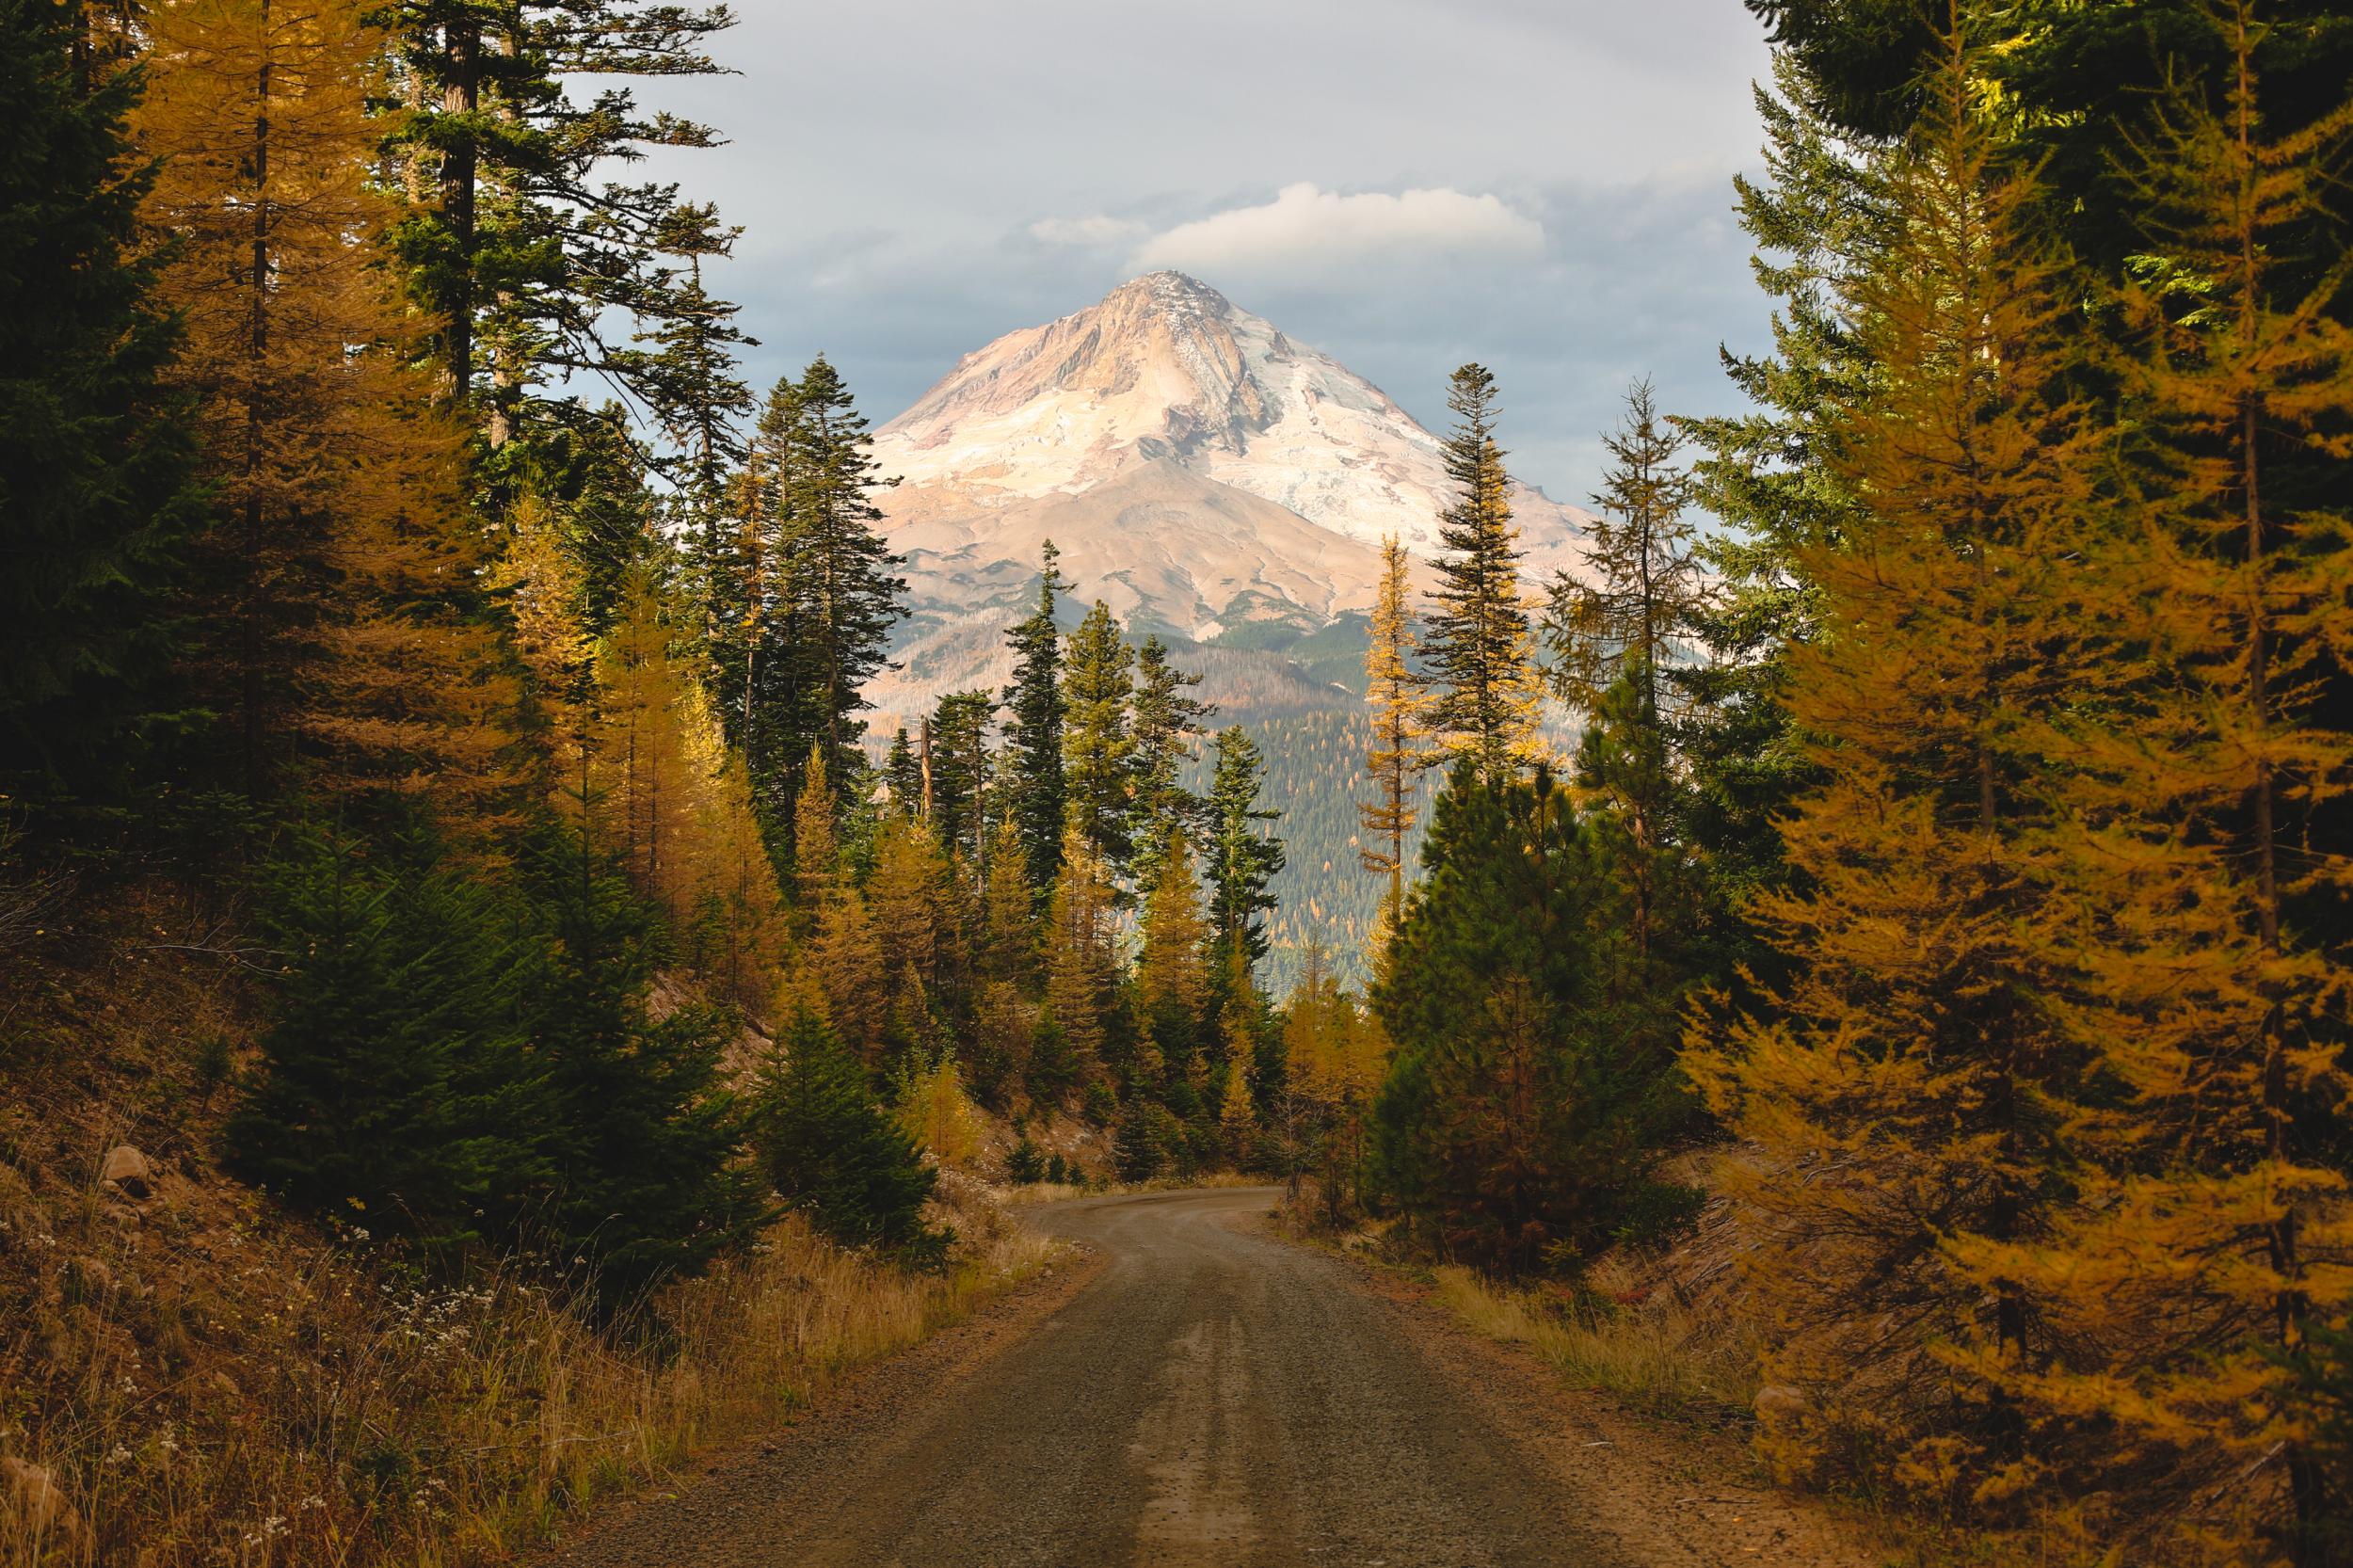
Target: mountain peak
<point x="1166" y="369"/>
<point x="1168" y="290"/>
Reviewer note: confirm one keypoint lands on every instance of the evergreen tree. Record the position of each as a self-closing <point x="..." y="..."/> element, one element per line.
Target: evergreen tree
<point x="93" y="450"/>
<point x="1245" y="855"/>
<point x="1146" y="1137"/>
<point x="1478" y="647"/>
<point x="1770" y="475"/>
<point x="831" y="1152"/>
<point x="643" y="1133"/>
<point x="961" y="807"/>
<point x="1166" y="720"/>
<point x="902" y="773"/>
<point x="837" y="566"/>
<point x="523" y="256"/>
<point x="808" y="586"/>
<point x="1515" y="1127"/>
<point x="689" y="377"/>
<point x="1098" y="738"/>
<point x="395" y="1091"/>
<point x="1393" y="690"/>
<point x="1634" y="621"/>
<point x="1033" y="728"/>
<point x="593" y="474"/>
<point x="1622" y="646"/>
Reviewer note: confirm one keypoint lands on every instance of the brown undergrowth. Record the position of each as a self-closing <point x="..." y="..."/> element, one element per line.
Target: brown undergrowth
<point x="191" y="1375"/>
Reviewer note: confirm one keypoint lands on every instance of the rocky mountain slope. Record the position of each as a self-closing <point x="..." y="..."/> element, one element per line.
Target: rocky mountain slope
<point x="1202" y="473"/>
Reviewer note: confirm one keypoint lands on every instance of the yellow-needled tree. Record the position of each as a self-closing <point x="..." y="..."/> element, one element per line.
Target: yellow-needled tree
<point x="2205" y="1274"/>
<point x="339" y="580"/>
<point x="1393" y="691"/>
<point x="1907" y="1087"/>
<point x="1080" y="969"/>
<point x="1172" y="971"/>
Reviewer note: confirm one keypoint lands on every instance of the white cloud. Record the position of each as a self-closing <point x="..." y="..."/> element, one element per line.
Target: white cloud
<point x="1304" y="224"/>
<point x="1097" y="229"/>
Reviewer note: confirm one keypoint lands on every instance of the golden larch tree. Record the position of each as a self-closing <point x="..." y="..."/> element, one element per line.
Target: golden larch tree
<point x="1393" y="690"/>
<point x="2212" y="1237"/>
<point x="1904" y="1090"/>
<point x="1079" y="959"/>
<point x="338" y="580"/>
<point x="1172" y="971"/>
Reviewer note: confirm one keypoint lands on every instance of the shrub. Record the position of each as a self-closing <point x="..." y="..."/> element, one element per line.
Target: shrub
<point x="831" y="1151"/>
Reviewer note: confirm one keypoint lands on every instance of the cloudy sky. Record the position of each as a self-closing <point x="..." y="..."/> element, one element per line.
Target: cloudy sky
<point x="1543" y="186"/>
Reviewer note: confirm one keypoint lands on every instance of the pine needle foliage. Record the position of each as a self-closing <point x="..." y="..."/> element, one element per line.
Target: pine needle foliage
<point x="94" y="456"/>
<point x="1099" y="737"/>
<point x="1634" y="621"/>
<point x="341" y="644"/>
<point x="396" y="1090"/>
<point x="1514" y="1128"/>
<point x="2205" y="1274"/>
<point x="831" y="1152"/>
<point x="1033" y="728"/>
<point x="1478" y="647"/>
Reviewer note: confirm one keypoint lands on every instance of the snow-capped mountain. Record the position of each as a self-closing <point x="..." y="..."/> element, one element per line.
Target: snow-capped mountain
<point x="1199" y="470"/>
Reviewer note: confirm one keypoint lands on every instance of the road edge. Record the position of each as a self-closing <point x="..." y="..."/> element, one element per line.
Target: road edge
<point x="1665" y="1493"/>
<point x="868" y="1392"/>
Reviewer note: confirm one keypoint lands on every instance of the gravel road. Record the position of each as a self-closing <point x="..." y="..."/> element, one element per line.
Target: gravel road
<point x="1211" y="1396"/>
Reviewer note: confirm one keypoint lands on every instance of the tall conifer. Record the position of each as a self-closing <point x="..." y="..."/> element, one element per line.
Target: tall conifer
<point x="1243" y="853"/>
<point x="1166" y="720"/>
<point x="1905" y="1089"/>
<point x="336" y="575"/>
<point x="1393" y="690"/>
<point x="1033" y="728"/>
<point x="93" y="456"/>
<point x="1634" y="619"/>
<point x="1478" y="646"/>
<point x="2201" y="1275"/>
<point x="1099" y="737"/>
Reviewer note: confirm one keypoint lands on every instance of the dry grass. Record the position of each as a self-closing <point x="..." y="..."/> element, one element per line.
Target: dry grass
<point x="1027" y="1194"/>
<point x="212" y="1382"/>
<point x="1652" y="1353"/>
<point x="343" y="1417"/>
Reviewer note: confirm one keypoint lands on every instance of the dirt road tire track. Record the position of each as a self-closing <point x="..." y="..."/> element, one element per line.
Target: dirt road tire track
<point x="1208" y="1395"/>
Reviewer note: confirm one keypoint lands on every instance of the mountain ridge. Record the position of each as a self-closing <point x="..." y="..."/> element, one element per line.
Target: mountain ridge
<point x="1199" y="469"/>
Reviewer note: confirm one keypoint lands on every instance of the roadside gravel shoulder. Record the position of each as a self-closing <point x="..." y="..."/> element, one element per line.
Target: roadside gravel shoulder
<point x="1668" y="1494"/>
<point x="747" y="1479"/>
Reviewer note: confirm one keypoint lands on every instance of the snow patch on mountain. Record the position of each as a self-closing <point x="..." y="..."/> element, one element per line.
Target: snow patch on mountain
<point x="1198" y="469"/>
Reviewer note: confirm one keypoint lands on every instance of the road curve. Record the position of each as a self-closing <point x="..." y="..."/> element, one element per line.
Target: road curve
<point x="1214" y="1397"/>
